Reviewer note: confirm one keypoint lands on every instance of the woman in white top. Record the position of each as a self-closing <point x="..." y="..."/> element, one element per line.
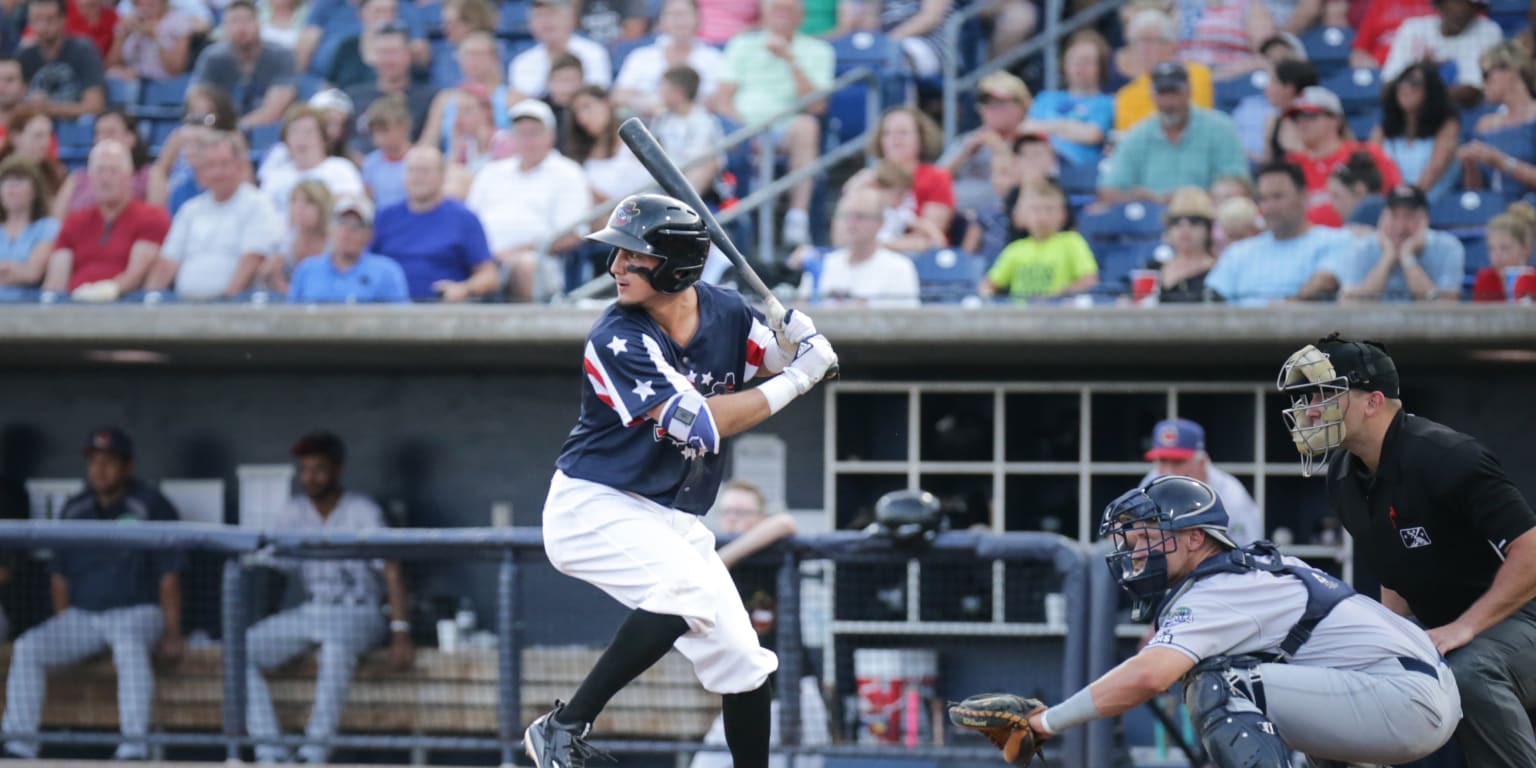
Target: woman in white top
<point x="677" y="42"/>
<point x="282" y="21"/>
<point x="592" y="139"/>
<point x="304" y="135"/>
<point x="309" y="219"/>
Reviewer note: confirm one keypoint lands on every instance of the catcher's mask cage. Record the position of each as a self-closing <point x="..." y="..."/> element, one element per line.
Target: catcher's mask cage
<point x="1319" y="397"/>
<point x="908" y="518"/>
<point x="1141" y="524"/>
<point x="657" y="225"/>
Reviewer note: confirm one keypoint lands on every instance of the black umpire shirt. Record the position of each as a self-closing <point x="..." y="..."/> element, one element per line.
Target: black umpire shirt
<point x="1435" y="520"/>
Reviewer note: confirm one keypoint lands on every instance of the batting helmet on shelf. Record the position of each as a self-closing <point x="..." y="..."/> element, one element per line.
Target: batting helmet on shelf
<point x="909" y="518"/>
<point x="657" y="225"/>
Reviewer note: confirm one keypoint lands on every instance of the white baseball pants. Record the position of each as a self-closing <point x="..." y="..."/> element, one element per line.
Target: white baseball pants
<point x="660" y="560"/>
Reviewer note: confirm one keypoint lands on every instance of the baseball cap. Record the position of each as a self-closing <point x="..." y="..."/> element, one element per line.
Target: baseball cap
<point x="356" y="205"/>
<point x="332" y="98"/>
<point x="1169" y="76"/>
<point x="321" y="443"/>
<point x="1364" y="364"/>
<point x="1316" y="100"/>
<point x="1176" y="439"/>
<point x="1407" y="195"/>
<point x="533" y="109"/>
<point x="111" y="440"/>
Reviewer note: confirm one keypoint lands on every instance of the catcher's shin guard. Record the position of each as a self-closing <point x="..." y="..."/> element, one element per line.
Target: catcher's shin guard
<point x="1225" y="696"/>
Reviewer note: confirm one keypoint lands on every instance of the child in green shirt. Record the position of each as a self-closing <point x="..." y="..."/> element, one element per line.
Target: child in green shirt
<point x="1052" y="261"/>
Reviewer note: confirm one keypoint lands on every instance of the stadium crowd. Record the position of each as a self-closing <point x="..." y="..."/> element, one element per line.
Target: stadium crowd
<point x="1244" y="151"/>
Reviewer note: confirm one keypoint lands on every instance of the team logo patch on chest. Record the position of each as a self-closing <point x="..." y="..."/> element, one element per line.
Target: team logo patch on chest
<point x="1415" y="537"/>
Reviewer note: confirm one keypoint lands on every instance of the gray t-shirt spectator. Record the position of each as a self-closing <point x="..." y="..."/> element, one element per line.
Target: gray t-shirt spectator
<point x="66" y="78"/>
<point x="418" y="99"/>
<point x="1443" y="259"/>
<point x="603" y="20"/>
<point x="218" y="65"/>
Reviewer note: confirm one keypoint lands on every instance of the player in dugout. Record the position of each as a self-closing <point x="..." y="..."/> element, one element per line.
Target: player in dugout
<point x="1437" y="521"/>
<point x="665" y="387"/>
<point x="1274" y="655"/>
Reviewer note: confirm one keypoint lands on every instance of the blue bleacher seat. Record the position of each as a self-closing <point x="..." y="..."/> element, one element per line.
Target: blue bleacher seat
<point x="1328" y="47"/>
<point x="445" y="66"/>
<point x="1510" y="15"/>
<point x="846" y="109"/>
<point x="122" y="93"/>
<point x="1123" y="222"/>
<point x="428" y="16"/>
<point x="1476" y="247"/>
<point x="1358" y="88"/>
<point x="621" y="49"/>
<point x="513" y="20"/>
<point x="168" y="93"/>
<point x="947" y="275"/>
<point x="310" y="85"/>
<point x="160" y="129"/>
<point x="1116" y="260"/>
<point x="75" y="133"/>
<point x="1231" y="91"/>
<point x="1362" y="123"/>
<point x="1079" y="179"/>
<point x="1465" y="212"/>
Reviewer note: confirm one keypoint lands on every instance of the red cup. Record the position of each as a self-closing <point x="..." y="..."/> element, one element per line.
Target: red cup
<point x="1143" y="284"/>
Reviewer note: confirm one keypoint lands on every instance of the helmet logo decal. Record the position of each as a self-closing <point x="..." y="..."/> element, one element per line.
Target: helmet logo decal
<point x="625" y="213"/>
<point x="1169" y="436"/>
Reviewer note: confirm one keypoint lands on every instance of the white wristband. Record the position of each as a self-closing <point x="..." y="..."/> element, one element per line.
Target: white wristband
<point x="778" y="391"/>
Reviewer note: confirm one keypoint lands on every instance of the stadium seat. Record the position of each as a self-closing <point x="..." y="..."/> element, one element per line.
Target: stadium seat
<point x="1116" y="260"/>
<point x="122" y="93"/>
<point x="947" y="275"/>
<point x="310" y="85"/>
<point x="622" y="48"/>
<point x="1358" y="88"/>
<point x="1518" y="142"/>
<point x="1079" y="179"/>
<point x="445" y="67"/>
<point x="1476" y="247"/>
<point x="430" y="17"/>
<point x="75" y="133"/>
<point x="262" y="137"/>
<point x="1363" y="122"/>
<point x="513" y="20"/>
<point x="845" y="108"/>
<point x="1124" y="222"/>
<point x="1230" y="92"/>
<point x="163" y="99"/>
<point x="1510" y="15"/>
<point x="1465" y="213"/>
<point x="160" y="129"/>
<point x="1328" y="47"/>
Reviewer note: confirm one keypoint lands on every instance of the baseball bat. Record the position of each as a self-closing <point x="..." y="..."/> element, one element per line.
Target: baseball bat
<point x="672" y="181"/>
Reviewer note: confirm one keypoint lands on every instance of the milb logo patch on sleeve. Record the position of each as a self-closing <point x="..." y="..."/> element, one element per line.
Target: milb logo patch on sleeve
<point x="1415" y="537"/>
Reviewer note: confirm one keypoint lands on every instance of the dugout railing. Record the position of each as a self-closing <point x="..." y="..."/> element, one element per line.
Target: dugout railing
<point x="976" y="597"/>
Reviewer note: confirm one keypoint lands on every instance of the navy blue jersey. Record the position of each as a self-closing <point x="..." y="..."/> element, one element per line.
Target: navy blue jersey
<point x="631" y="367"/>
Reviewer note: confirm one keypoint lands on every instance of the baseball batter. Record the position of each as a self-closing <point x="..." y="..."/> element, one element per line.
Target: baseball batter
<point x="1275" y="655"/>
<point x="666" y="368"/>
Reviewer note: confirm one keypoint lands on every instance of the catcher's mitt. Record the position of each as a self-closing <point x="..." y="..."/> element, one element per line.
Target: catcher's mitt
<point x="1004" y="719"/>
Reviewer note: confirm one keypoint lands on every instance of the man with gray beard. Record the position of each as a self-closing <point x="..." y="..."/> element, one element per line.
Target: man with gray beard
<point x="1184" y="146"/>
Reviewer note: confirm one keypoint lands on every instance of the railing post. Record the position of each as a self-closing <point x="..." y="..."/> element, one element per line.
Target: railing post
<point x="509" y="704"/>
<point x="233" y="615"/>
<point x="951" y="70"/>
<point x="765" y="160"/>
<point x="1053" y="11"/>
<point x="787" y="629"/>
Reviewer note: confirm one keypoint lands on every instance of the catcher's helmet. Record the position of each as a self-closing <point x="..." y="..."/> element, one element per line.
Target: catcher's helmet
<point x="1140" y="524"/>
<point x="657" y="225"/>
<point x="908" y="517"/>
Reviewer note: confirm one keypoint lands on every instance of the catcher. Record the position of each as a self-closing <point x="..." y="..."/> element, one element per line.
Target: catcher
<point x="1274" y="655"/>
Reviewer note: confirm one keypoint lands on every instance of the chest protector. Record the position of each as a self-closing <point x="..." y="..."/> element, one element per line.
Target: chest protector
<point x="1323" y="591"/>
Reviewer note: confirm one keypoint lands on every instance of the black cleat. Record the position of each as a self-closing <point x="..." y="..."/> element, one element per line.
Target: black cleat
<point x="553" y="744"/>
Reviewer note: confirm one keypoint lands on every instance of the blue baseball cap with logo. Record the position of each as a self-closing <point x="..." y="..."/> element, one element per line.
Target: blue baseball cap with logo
<point x="1176" y="439"/>
<point x="109" y="439"/>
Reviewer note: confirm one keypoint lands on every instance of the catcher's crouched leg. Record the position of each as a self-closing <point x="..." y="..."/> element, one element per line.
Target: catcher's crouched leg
<point x="1221" y="694"/>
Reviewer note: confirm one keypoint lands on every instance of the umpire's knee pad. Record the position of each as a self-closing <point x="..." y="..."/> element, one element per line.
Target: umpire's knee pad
<point x="1224" y="696"/>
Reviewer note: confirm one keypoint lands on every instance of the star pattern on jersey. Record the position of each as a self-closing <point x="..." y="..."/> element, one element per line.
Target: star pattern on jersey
<point x="707" y="379"/>
<point x="618" y="346"/>
<point x="643" y="389"/>
<point x="690" y="453"/>
<point x="693" y="376"/>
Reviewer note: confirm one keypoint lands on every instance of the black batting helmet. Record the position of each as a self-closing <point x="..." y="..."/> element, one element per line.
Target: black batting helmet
<point x="657" y="225"/>
<point x="908" y="518"/>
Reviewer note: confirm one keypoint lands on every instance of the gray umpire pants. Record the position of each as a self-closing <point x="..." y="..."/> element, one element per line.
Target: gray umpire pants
<point x="342" y="631"/>
<point x="70" y="637"/>
<point x="1497" y="672"/>
<point x="1382" y="714"/>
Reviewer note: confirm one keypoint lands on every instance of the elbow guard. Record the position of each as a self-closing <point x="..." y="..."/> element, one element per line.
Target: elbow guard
<point x="686" y="419"/>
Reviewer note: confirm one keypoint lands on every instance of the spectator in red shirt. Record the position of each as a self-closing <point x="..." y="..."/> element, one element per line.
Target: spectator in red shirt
<point x="1511" y="240"/>
<point x="94" y="20"/>
<point x="106" y="251"/>
<point x="1319" y="118"/>
<point x="910" y="139"/>
<point x="1373" y="37"/>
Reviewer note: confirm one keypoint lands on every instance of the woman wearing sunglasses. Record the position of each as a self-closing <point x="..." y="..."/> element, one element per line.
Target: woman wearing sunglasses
<point x="1188" y="225"/>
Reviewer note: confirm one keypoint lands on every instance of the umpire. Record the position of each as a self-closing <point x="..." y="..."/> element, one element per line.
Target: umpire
<point x="1440" y="525"/>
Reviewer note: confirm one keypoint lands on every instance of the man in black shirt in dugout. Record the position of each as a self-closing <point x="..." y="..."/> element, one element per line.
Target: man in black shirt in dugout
<point x="1435" y="518"/>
